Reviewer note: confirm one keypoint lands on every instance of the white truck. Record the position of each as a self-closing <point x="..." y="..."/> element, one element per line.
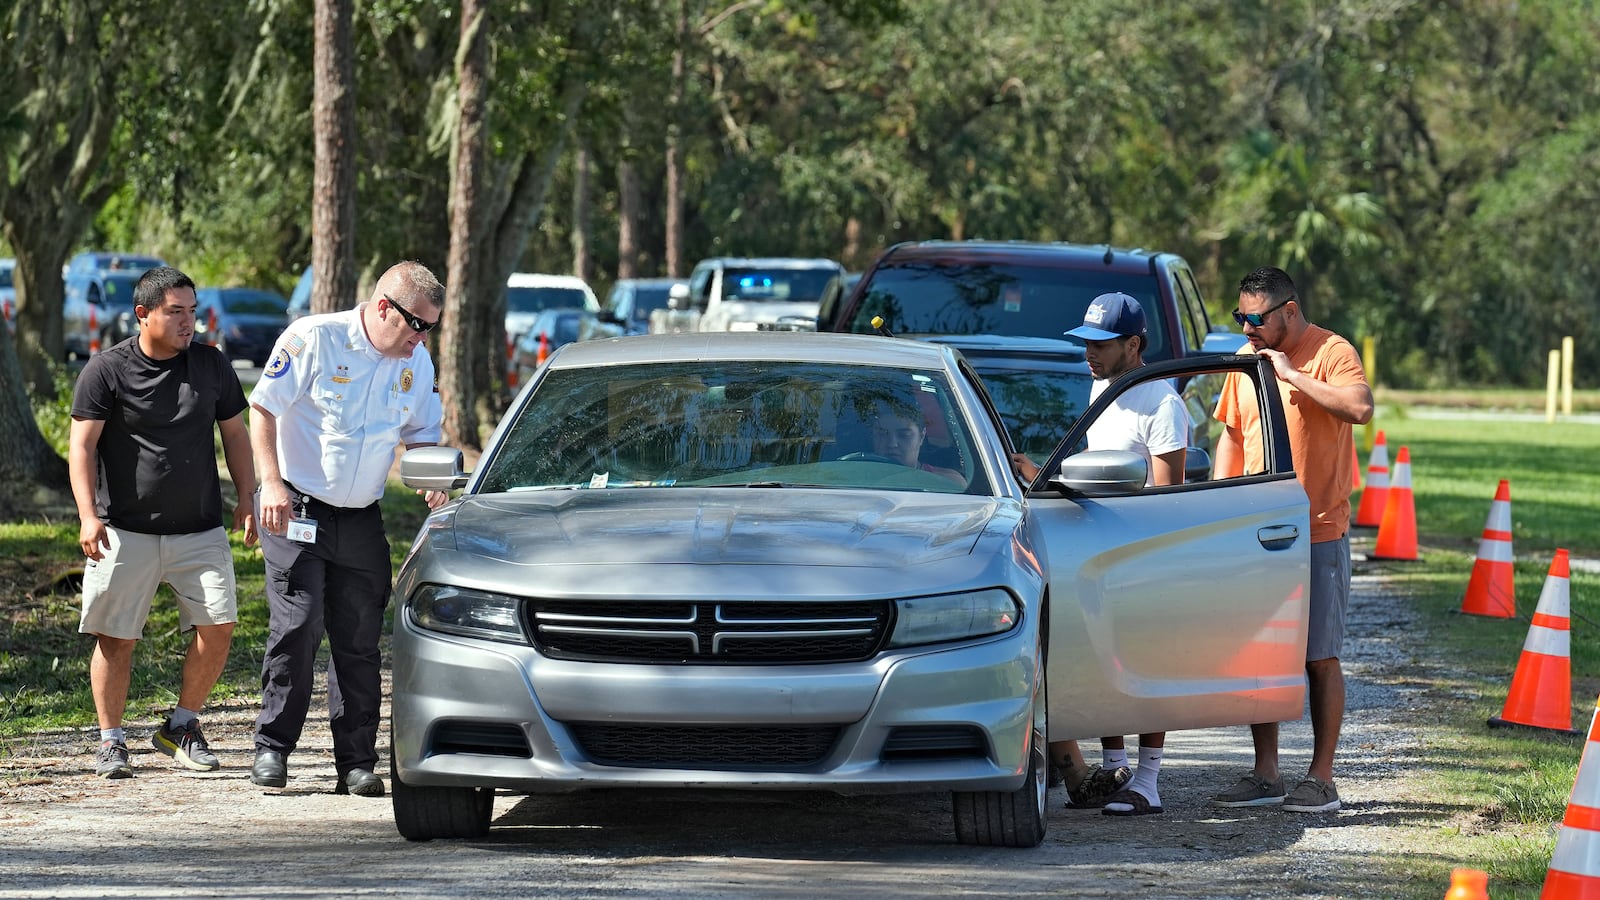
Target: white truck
<point x="748" y="294"/>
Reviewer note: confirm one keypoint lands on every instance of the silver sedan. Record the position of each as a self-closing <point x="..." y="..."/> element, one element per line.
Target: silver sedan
<point x="802" y="561"/>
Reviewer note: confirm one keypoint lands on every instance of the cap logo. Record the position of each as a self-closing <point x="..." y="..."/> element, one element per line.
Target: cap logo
<point x="1096" y="314"/>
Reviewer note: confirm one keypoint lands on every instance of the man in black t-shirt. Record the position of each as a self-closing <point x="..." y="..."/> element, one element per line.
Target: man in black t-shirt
<point x="144" y="476"/>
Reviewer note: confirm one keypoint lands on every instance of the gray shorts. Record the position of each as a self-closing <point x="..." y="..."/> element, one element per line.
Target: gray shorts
<point x="1330" y="597"/>
<point x="119" y="588"/>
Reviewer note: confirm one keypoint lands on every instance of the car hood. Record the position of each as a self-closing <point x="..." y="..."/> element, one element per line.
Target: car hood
<point x="741" y="526"/>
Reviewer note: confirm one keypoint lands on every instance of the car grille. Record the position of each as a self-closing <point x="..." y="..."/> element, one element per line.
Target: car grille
<point x="748" y="633"/>
<point x="701" y="746"/>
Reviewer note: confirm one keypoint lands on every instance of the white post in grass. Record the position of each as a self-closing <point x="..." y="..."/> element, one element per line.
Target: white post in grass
<point x="1566" y="375"/>
<point x="1553" y="383"/>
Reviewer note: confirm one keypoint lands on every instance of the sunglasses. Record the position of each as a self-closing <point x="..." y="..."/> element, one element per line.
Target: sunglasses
<point x="417" y="325"/>
<point x="1256" y="320"/>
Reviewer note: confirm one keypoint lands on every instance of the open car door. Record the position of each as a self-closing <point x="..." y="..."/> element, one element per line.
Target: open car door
<point x="1174" y="607"/>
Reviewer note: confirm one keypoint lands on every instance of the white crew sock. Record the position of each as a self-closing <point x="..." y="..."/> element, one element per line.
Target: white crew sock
<point x="181" y="717"/>
<point x="1112" y="760"/>
<point x="114" y="735"/>
<point x="1144" y="777"/>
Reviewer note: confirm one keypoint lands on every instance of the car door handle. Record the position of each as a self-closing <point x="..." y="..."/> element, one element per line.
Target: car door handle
<point x="1278" y="537"/>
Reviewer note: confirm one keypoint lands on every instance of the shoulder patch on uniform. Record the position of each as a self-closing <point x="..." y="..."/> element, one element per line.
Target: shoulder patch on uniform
<point x="278" y="365"/>
<point x="294" y="344"/>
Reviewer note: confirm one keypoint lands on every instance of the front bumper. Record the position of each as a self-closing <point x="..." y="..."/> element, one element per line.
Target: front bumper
<point x="950" y="717"/>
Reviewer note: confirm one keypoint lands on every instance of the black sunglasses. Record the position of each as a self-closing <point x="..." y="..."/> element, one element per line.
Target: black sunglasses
<point x="1256" y="320"/>
<point x="417" y="325"/>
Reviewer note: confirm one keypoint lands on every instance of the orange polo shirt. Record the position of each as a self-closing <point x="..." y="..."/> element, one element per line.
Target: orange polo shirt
<point x="1320" y="442"/>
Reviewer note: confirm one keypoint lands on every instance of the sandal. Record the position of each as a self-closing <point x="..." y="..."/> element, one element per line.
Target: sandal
<point x="1097" y="787"/>
<point x="1130" y="797"/>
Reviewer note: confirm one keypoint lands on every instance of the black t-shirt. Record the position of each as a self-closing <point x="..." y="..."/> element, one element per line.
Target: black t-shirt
<point x="157" y="471"/>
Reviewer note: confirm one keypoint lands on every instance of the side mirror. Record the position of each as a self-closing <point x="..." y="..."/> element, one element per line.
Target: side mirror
<point x="678" y="296"/>
<point x="1196" y="466"/>
<point x="433" y="469"/>
<point x="1102" y="473"/>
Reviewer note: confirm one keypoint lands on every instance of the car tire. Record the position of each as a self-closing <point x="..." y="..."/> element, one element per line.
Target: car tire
<point x="1010" y="818"/>
<point x="425" y="813"/>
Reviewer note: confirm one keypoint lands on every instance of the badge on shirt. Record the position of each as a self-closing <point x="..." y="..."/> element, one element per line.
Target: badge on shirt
<point x="405" y="380"/>
<point x="278" y="365"/>
<point x="341" y="374"/>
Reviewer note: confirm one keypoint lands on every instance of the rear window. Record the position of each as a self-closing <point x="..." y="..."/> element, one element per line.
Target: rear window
<point x="997" y="298"/>
<point x="538" y="299"/>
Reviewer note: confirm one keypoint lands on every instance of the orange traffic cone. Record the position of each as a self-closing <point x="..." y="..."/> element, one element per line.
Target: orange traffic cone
<point x="1541" y="689"/>
<point x="511" y="362"/>
<point x="1490" y="591"/>
<point x="94" y="333"/>
<point x="1397" y="535"/>
<point x="544" y="348"/>
<point x="211" y="325"/>
<point x="1575" y="864"/>
<point x="1370" y="513"/>
<point x="1468" y="884"/>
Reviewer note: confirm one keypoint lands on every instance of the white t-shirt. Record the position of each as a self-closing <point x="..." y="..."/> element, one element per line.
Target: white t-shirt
<point x="1148" y="420"/>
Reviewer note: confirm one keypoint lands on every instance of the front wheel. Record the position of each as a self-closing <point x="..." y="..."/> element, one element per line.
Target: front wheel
<point x="1007" y="818"/>
<point x="425" y="813"/>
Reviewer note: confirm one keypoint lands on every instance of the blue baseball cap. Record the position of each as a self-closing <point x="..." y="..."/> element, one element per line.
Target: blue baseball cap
<point x="1110" y="316"/>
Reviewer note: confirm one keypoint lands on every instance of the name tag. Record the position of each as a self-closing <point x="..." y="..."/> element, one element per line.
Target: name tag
<point x="302" y="531"/>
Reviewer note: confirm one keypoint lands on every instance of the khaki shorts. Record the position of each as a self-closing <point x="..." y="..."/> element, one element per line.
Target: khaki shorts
<point x="119" y="588"/>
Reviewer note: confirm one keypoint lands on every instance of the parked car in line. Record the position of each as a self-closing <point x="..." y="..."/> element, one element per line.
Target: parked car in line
<point x="628" y="306"/>
<point x="742" y="294"/>
<point x="300" y="298"/>
<point x="1028" y="289"/>
<point x="99" y="288"/>
<point x="528" y="294"/>
<point x="558" y="327"/>
<point x="803" y="562"/>
<point x="242" y="322"/>
<point x="8" y="294"/>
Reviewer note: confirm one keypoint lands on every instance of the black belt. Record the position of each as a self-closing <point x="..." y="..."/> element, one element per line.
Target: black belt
<point x="303" y="502"/>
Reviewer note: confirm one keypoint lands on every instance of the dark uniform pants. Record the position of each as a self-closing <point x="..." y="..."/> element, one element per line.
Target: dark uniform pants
<point x="339" y="585"/>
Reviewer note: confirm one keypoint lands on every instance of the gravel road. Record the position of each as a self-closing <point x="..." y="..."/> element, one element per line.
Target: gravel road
<point x="65" y="833"/>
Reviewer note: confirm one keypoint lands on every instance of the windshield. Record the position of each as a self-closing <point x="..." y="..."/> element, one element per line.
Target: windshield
<point x="777" y="285"/>
<point x="715" y="423"/>
<point x="647" y="299"/>
<point x="254" y="303"/>
<point x="995" y="298"/>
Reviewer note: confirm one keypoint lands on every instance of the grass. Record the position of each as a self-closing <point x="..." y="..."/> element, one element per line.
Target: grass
<point x="44" y="682"/>
<point x="1505" y="789"/>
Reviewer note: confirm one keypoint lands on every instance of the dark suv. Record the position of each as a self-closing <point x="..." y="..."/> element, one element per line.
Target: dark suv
<point x="1022" y="289"/>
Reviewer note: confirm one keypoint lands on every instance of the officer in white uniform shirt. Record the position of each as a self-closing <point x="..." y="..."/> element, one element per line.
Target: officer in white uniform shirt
<point x="340" y="392"/>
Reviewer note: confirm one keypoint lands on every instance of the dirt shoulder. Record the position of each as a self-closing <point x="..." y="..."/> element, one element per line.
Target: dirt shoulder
<point x="66" y="833"/>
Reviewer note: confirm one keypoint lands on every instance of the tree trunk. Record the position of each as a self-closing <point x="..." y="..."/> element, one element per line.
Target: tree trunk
<point x="629" y="208"/>
<point x="582" y="227"/>
<point x="462" y="374"/>
<point x="680" y="49"/>
<point x="333" y="187"/>
<point x="32" y="474"/>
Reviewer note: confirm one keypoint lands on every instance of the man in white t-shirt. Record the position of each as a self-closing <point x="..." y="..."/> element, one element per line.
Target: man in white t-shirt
<point x="1150" y="420"/>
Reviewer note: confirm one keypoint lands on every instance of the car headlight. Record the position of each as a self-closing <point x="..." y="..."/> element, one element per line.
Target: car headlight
<point x="953" y="617"/>
<point x="470" y="613"/>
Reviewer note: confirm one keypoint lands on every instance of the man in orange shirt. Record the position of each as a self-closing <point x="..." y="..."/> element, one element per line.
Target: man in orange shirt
<point x="1324" y="392"/>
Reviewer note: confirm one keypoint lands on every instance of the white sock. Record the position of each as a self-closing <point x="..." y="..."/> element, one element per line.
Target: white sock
<point x="181" y="717"/>
<point x="1144" y="777"/>
<point x="1113" y="760"/>
<point x="114" y="735"/>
